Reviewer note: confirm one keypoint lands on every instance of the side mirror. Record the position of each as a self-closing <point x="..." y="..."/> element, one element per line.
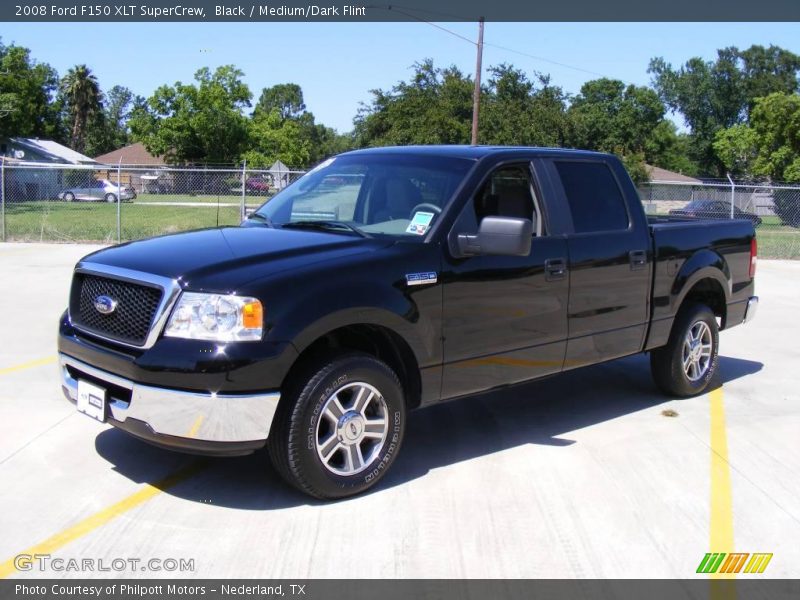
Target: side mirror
<point x="498" y="236"/>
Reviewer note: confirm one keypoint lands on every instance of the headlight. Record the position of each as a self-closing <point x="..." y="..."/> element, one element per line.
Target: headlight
<point x="216" y="317"/>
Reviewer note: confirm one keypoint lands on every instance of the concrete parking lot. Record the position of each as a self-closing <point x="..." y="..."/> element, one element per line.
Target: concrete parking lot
<point x="590" y="474"/>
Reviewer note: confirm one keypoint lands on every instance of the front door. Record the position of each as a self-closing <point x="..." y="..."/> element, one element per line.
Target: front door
<point x="505" y="317"/>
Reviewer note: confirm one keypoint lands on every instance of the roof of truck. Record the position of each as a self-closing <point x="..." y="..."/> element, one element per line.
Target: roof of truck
<point x="475" y="152"/>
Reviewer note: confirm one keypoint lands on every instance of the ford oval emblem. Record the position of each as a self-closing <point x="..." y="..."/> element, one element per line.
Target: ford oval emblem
<point x="105" y="305"/>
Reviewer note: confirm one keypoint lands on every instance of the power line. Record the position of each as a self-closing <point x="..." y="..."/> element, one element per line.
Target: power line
<point x="404" y="11"/>
<point x="432" y="24"/>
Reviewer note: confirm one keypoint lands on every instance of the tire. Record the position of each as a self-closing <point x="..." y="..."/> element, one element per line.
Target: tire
<point x="69" y="197"/>
<point x="110" y="198"/>
<point x="310" y="447"/>
<point x="667" y="362"/>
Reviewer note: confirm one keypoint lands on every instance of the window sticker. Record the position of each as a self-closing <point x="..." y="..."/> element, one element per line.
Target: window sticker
<point x="420" y="223"/>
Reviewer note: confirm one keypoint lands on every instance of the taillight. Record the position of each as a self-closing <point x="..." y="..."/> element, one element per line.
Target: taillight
<point x="753" y="257"/>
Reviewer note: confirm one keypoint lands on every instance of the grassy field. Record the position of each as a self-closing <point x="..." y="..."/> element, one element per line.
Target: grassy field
<point x="97" y="221"/>
<point x="79" y="222"/>
<point x="205" y="199"/>
<point x="776" y="240"/>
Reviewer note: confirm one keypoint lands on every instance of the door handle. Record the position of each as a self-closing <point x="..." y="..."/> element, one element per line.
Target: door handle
<point x="555" y="269"/>
<point x="638" y="259"/>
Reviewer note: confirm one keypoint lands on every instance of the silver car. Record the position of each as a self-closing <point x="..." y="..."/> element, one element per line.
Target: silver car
<point x="99" y="190"/>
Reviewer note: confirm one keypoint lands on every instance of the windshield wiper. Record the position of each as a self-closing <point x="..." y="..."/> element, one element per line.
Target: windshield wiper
<point x="325" y="225"/>
<point x="263" y="219"/>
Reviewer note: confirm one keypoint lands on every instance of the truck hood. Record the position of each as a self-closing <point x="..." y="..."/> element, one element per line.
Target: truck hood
<point x="226" y="258"/>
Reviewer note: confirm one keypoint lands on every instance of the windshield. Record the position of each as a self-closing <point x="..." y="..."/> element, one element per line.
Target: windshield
<point x="389" y="194"/>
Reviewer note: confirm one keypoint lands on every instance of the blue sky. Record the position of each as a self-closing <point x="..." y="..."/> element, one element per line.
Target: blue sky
<point x="338" y="63"/>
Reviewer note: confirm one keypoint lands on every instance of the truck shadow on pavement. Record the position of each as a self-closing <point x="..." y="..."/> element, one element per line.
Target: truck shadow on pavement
<point x="543" y="412"/>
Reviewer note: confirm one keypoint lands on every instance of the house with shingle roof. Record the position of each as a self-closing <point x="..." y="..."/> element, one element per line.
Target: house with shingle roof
<point x="26" y="182"/>
<point x="130" y="155"/>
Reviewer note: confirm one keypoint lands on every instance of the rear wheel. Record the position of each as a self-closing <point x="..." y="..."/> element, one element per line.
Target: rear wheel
<point x="69" y="197"/>
<point x="111" y="198"/>
<point x="686" y="365"/>
<point x="339" y="427"/>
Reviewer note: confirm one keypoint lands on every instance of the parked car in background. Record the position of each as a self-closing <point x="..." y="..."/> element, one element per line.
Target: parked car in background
<point x="714" y="209"/>
<point x="257" y="185"/>
<point x="96" y="191"/>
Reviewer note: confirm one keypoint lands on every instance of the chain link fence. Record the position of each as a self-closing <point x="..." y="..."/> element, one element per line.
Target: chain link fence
<point x="112" y="203"/>
<point x="773" y="209"/>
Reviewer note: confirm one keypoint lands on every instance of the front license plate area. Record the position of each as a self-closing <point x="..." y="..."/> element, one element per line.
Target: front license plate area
<point x="92" y="400"/>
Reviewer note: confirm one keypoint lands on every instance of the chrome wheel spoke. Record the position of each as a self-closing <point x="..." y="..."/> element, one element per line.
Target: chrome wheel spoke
<point x="375" y="426"/>
<point x="334" y="409"/>
<point x="329" y="448"/>
<point x="363" y="399"/>
<point x="355" y="459"/>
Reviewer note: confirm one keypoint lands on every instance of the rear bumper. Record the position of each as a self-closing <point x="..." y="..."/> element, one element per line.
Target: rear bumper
<point x="202" y="423"/>
<point x="752" y="308"/>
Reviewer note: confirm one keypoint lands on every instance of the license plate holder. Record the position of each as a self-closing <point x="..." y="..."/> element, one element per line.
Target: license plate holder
<point x="92" y="400"/>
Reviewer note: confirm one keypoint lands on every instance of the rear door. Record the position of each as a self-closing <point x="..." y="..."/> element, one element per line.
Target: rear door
<point x="609" y="261"/>
<point x="505" y="316"/>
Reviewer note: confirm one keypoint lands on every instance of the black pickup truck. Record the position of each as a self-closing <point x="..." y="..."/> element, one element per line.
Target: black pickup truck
<point x="390" y="279"/>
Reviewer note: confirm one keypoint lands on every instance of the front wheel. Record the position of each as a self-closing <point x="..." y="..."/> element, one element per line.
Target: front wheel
<point x="686" y="365"/>
<point x="339" y="427"/>
<point x="110" y="198"/>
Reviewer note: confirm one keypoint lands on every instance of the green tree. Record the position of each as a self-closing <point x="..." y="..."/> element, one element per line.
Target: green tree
<point x="83" y="100"/>
<point x="434" y="107"/>
<point x="109" y="129"/>
<point x="668" y="149"/>
<point x="769" y="147"/>
<point x="628" y="120"/>
<point x="282" y="129"/>
<point x="716" y="95"/>
<point x="200" y="122"/>
<point x="287" y="98"/>
<point x="518" y="111"/>
<point x="737" y="148"/>
<point x="27" y="90"/>
<point x="607" y="115"/>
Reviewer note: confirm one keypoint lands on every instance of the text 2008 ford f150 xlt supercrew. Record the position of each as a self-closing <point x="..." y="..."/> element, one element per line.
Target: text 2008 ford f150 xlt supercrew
<point x="390" y="279"/>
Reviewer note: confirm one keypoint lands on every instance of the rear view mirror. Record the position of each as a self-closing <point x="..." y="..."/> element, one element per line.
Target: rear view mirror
<point x="498" y="236"/>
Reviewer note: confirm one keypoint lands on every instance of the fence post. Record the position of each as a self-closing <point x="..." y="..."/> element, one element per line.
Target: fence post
<point x="119" y="202"/>
<point x="3" y="195"/>
<point x="244" y="181"/>
<point x="733" y="193"/>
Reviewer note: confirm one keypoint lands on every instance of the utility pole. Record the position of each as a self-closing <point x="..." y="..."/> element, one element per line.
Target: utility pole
<point x="476" y="97"/>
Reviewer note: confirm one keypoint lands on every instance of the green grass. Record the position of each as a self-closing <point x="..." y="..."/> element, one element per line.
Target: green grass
<point x="204" y="198"/>
<point x="84" y="222"/>
<point x="97" y="221"/>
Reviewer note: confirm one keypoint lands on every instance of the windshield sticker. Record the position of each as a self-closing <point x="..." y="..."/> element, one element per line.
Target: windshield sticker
<point x="420" y="223"/>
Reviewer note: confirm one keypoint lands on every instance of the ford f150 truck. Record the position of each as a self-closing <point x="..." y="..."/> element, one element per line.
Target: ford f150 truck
<point x="390" y="279"/>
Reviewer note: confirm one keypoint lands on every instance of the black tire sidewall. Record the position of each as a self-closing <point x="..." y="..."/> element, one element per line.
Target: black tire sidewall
<point x="686" y="320"/>
<point x="305" y="463"/>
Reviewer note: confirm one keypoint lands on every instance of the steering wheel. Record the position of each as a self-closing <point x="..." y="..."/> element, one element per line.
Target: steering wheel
<point x="426" y="205"/>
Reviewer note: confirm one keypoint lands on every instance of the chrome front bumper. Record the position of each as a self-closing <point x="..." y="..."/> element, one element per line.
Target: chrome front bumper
<point x="207" y="417"/>
<point x="752" y="308"/>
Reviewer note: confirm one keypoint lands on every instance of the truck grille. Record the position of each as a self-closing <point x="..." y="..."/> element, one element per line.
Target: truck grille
<point x="130" y="322"/>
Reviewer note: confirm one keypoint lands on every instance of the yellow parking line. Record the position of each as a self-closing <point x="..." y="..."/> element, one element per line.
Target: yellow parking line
<point x="196" y="426"/>
<point x="28" y="365"/>
<point x="98" y="519"/>
<point x="721" y="529"/>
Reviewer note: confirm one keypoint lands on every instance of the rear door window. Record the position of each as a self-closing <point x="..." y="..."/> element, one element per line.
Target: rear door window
<point x="593" y="195"/>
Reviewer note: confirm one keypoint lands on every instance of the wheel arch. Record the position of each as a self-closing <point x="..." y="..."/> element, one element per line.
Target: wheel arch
<point x="374" y="338"/>
<point x="704" y="278"/>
